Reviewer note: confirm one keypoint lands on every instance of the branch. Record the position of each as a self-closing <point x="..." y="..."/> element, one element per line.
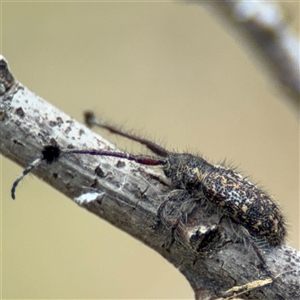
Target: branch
<point x="213" y="253"/>
<point x="263" y="26"/>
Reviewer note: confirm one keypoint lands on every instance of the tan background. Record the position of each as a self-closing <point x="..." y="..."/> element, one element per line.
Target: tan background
<point x="167" y="70"/>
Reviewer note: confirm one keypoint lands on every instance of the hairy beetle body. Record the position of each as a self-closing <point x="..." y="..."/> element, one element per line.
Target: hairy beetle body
<point x="230" y="192"/>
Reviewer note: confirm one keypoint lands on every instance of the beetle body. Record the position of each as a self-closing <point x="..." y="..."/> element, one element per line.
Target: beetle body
<point x="230" y="192"/>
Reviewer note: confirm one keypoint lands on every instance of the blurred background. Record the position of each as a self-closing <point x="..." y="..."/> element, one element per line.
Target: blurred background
<point x="173" y="73"/>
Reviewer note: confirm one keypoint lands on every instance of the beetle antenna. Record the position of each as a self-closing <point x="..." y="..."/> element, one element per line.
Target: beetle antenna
<point x="25" y="172"/>
<point x="51" y="153"/>
<point x="90" y="120"/>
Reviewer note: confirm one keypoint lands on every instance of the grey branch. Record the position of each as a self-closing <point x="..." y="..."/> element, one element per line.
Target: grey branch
<point x="215" y="256"/>
<point x="263" y="26"/>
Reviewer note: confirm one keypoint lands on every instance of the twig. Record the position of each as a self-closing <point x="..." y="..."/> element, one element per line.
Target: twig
<point x="264" y="28"/>
<point x="217" y="256"/>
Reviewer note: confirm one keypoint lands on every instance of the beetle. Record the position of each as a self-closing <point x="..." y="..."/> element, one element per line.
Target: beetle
<point x="234" y="195"/>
